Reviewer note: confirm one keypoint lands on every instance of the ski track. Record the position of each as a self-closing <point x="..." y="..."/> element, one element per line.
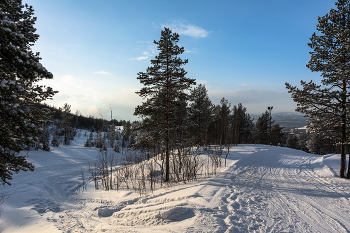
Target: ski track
<point x="264" y="189"/>
<point x="292" y="193"/>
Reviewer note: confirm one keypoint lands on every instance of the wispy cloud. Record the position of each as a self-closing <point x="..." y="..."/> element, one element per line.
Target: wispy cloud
<point x="67" y="79"/>
<point x="184" y="28"/>
<point x="149" y="52"/>
<point x="102" y="72"/>
<point x="140" y="58"/>
<point x="201" y="82"/>
<point x="248" y="85"/>
<point x="193" y="50"/>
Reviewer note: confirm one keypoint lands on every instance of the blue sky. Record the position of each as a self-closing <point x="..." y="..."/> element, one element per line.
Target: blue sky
<point x="241" y="50"/>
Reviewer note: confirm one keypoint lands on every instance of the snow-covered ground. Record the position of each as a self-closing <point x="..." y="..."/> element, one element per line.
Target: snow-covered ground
<point x="263" y="189"/>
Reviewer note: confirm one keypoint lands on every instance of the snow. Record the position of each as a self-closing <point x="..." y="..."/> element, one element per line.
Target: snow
<point x="262" y="189"/>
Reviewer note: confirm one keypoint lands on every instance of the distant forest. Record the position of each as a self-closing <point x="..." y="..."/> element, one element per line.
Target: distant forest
<point x="80" y="121"/>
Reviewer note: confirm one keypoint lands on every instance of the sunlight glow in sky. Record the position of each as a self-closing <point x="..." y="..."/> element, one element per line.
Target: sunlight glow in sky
<point x="241" y="50"/>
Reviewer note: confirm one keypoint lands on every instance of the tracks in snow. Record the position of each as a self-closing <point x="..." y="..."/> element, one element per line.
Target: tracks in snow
<point x="267" y="189"/>
<point x="294" y="197"/>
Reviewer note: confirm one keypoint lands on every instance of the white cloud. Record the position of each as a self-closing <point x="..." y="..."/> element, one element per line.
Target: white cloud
<point x="194" y="50"/>
<point x="149" y="52"/>
<point x="102" y="72"/>
<point x="96" y="101"/>
<point x="184" y="28"/>
<point x="140" y="58"/>
<point x="67" y="79"/>
<point x="201" y="82"/>
<point x="248" y="85"/>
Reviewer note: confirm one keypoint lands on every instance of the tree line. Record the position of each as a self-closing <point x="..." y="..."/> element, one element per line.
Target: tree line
<point x="177" y="116"/>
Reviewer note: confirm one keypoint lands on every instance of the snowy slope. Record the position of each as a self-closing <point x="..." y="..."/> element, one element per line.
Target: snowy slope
<point x="263" y="189"/>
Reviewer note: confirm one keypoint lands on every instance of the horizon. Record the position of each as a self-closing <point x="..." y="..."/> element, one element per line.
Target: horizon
<point x="241" y="51"/>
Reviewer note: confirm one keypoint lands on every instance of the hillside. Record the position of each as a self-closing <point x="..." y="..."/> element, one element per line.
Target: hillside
<point x="263" y="189"/>
<point x="288" y="120"/>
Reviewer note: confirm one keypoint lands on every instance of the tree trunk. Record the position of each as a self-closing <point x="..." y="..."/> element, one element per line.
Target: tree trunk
<point x="343" y="132"/>
<point x="167" y="159"/>
<point x="167" y="154"/>
<point x="348" y="173"/>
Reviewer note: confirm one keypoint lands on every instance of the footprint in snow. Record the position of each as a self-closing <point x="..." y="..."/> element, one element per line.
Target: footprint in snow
<point x="233" y="206"/>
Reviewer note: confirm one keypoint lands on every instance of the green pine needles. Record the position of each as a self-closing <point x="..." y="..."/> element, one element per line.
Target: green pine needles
<point x="20" y="122"/>
<point x="165" y="83"/>
<point x="328" y="104"/>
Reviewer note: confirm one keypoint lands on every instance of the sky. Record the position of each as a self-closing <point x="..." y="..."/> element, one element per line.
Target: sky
<point x="241" y="50"/>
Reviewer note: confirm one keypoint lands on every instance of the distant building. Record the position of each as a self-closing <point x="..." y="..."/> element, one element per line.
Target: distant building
<point x="119" y="128"/>
<point x="299" y="130"/>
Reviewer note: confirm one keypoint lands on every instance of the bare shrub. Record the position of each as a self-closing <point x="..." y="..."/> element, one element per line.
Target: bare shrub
<point x="3" y="197"/>
<point x="138" y="171"/>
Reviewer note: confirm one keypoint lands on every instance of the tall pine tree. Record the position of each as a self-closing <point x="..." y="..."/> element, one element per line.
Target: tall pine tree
<point x="200" y="115"/>
<point x="262" y="129"/>
<point x="329" y="102"/>
<point x="164" y="86"/>
<point x="20" y="70"/>
<point x="66" y="129"/>
<point x="242" y="125"/>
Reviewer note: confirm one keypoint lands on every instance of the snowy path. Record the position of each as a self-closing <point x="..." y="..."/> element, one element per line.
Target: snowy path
<point x="263" y="189"/>
<point x="298" y="192"/>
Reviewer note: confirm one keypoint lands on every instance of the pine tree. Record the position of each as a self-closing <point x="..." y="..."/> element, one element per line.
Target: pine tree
<point x="165" y="84"/>
<point x="262" y="128"/>
<point x="214" y="131"/>
<point x="276" y="136"/>
<point x="66" y="129"/>
<point x="292" y="142"/>
<point x="224" y="122"/>
<point x="112" y="135"/>
<point x="90" y="141"/>
<point x="200" y="112"/>
<point x="100" y="141"/>
<point x="44" y="139"/>
<point x="20" y="70"/>
<point x="329" y="102"/>
<point x="126" y="134"/>
<point x="242" y="125"/>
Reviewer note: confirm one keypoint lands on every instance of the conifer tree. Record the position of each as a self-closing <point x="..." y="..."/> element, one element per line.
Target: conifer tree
<point x="225" y="121"/>
<point x="276" y="137"/>
<point x="66" y="129"/>
<point x="90" y="141"/>
<point x="214" y="131"/>
<point x="200" y="111"/>
<point x="242" y="125"/>
<point x="112" y="135"/>
<point x="292" y="142"/>
<point x="329" y="102"/>
<point x="262" y="128"/>
<point x="20" y="70"/>
<point x="164" y="85"/>
<point x="100" y="141"/>
<point x="44" y="139"/>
